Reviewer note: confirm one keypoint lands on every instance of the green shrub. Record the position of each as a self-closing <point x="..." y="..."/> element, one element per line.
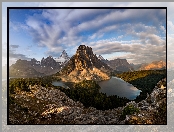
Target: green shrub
<point x="11" y="100"/>
<point x="128" y="110"/>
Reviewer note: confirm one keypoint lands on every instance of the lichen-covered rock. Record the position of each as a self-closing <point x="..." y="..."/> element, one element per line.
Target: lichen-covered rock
<point x="152" y="109"/>
<point x="51" y="106"/>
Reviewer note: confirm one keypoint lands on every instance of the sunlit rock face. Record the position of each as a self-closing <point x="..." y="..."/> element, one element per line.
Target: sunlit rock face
<point x="154" y="66"/>
<point x="85" y="65"/>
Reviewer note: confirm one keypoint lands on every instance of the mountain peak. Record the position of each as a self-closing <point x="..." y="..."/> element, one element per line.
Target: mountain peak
<point x="84" y="64"/>
<point x="63" y="59"/>
<point x="84" y="50"/>
<point x="64" y="55"/>
<point x="154" y="65"/>
<point x="101" y="57"/>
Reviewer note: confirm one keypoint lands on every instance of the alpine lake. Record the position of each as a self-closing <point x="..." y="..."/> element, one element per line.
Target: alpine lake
<point x="113" y="86"/>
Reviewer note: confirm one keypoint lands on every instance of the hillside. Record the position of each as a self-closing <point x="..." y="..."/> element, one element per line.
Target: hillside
<point x="55" y="107"/>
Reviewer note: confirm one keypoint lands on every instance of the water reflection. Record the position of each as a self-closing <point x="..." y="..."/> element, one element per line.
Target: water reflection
<point x="117" y="86"/>
<point x="59" y="83"/>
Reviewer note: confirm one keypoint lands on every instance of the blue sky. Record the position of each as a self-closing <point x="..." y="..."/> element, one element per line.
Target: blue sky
<point x="138" y="35"/>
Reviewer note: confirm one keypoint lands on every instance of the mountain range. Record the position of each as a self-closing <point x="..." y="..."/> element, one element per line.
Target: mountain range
<point x="117" y="64"/>
<point x="83" y="65"/>
<point x="123" y="66"/>
<point x="155" y="65"/>
<point x="33" y="68"/>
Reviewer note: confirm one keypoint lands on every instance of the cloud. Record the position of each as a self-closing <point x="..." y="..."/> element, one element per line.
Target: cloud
<point x="17" y="26"/>
<point x="133" y="50"/>
<point x="119" y="37"/>
<point x="60" y="29"/>
<point x="14" y="46"/>
<point x="18" y="56"/>
<point x="13" y="56"/>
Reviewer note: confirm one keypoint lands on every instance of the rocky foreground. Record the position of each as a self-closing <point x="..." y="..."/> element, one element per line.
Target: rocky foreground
<point x="51" y="106"/>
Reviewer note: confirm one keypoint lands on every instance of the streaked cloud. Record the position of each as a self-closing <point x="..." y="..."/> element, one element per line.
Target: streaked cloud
<point x="105" y="30"/>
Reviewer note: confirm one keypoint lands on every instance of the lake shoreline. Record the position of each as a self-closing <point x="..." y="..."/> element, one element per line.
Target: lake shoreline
<point x="113" y="86"/>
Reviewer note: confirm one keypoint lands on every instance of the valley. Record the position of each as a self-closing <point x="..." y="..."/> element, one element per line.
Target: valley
<point x="82" y="102"/>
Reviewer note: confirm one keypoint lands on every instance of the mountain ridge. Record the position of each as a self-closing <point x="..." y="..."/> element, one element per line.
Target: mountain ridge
<point x="117" y="64"/>
<point x="155" y="65"/>
<point x="34" y="68"/>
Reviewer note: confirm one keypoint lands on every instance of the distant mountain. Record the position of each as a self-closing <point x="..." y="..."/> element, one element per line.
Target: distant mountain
<point x="24" y="72"/>
<point x="49" y="61"/>
<point x="117" y="64"/>
<point x="136" y="67"/>
<point x="63" y="59"/>
<point x="47" y="66"/>
<point x="24" y="68"/>
<point x="85" y="65"/>
<point x="120" y="65"/>
<point x="155" y="65"/>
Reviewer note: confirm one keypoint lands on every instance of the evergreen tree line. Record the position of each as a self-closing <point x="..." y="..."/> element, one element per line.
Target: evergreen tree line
<point x="24" y="83"/>
<point x="87" y="92"/>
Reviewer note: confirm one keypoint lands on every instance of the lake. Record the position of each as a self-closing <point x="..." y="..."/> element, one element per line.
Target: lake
<point x="117" y="86"/>
<point x="113" y="86"/>
<point x="59" y="83"/>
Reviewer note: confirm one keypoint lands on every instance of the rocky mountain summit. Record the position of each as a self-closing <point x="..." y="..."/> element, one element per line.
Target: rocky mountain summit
<point x="49" y="61"/>
<point x="48" y="66"/>
<point x="155" y="65"/>
<point x="56" y="108"/>
<point x="85" y="65"/>
<point x="63" y="58"/>
<point x="117" y="64"/>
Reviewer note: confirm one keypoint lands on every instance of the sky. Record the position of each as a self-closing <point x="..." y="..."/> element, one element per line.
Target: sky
<point x="138" y="35"/>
